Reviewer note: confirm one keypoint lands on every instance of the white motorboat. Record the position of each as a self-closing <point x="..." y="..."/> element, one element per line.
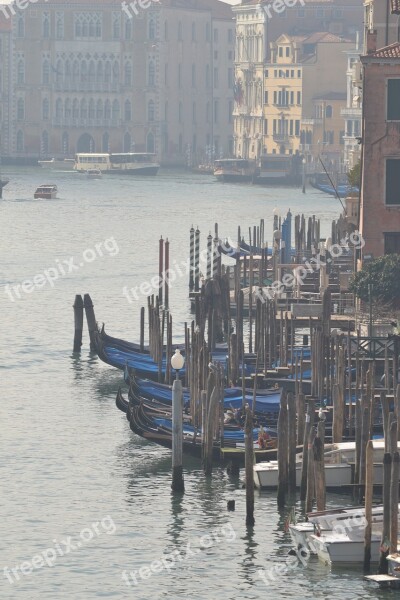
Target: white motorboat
<point x="47" y="191"/>
<point x="346" y="546"/>
<point x="66" y="164"/>
<point x="93" y="174"/>
<point x="339" y="460"/>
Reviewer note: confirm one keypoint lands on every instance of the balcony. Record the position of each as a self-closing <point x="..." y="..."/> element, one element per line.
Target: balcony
<point x="281" y="138"/>
<point x="86" y="86"/>
<point x="70" y="122"/>
<point x="355" y="113"/>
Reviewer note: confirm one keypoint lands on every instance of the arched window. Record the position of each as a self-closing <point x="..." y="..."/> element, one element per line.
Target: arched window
<point x="328" y="112"/>
<point x="116" y="26"/>
<point x="20" y="142"/>
<point x="75" y="109"/>
<point x="59" y="27"/>
<point x="150" y="110"/>
<point x="151" y="74"/>
<point x="83" y="108"/>
<point x="150" y="143"/>
<point x="106" y="142"/>
<point x="208" y="112"/>
<point x="207" y="76"/>
<point x="65" y="143"/>
<point x="127" y="142"/>
<point x="59" y="71"/>
<point x="128" y="73"/>
<point x="194" y="111"/>
<point x="21" y="71"/>
<point x="166" y="111"/>
<point x="166" y="31"/>
<point x="83" y="71"/>
<point x="193" y="75"/>
<point x="193" y="32"/>
<point x="92" y="72"/>
<point x="180" y="144"/>
<point x="45" y="143"/>
<point x="152" y="30"/>
<point x="20" y="109"/>
<point x="99" y="110"/>
<point x="59" y="109"/>
<point x="45" y="109"/>
<point x="128" y="29"/>
<point x="46" y="25"/>
<point x="107" y="110"/>
<point x="115" y="110"/>
<point x="92" y="109"/>
<point x="127" y="111"/>
<point x="115" y="73"/>
<point x="180" y="112"/>
<point x="67" y="71"/>
<point x="75" y="71"/>
<point x="46" y="72"/>
<point x="180" y="36"/>
<point x="208" y="34"/>
<point x="107" y="72"/>
<point x="20" y="27"/>
<point x="99" y="72"/>
<point x="67" y="108"/>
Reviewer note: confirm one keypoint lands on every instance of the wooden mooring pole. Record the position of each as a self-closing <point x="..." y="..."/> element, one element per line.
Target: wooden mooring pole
<point x="249" y="464"/>
<point x="177" y="436"/>
<point x="90" y="318"/>
<point x="385" y="545"/>
<point x="369" y="486"/>
<point x="78" y="319"/>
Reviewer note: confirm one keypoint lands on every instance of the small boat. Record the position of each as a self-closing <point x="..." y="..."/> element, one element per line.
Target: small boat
<point x="65" y="164"/>
<point x="338" y="467"/>
<point x="47" y="192"/>
<point x="93" y="174"/>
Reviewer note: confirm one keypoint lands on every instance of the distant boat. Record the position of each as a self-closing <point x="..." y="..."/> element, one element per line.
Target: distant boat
<point x="93" y="174"/>
<point x="127" y="163"/>
<point x="235" y="169"/>
<point x="66" y="164"/>
<point x="3" y="183"/>
<point x="47" y="192"/>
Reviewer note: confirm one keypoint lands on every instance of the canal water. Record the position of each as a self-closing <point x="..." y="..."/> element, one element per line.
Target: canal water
<point x="86" y="505"/>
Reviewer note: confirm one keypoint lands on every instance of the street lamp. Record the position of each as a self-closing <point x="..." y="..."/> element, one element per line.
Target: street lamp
<point x="177" y="363"/>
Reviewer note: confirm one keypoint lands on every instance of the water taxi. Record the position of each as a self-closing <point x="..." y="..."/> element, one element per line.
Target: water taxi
<point x="93" y="174"/>
<point x="235" y="169"/>
<point x="126" y="163"/>
<point x="47" y="192"/>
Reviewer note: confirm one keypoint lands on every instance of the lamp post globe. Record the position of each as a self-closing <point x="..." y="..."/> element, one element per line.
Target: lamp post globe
<point x="177" y="362"/>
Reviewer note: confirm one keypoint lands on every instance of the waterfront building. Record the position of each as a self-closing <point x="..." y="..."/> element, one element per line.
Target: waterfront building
<point x="257" y="25"/>
<point x="352" y="113"/>
<point x="380" y="193"/>
<point x="6" y="106"/>
<point x="103" y="77"/>
<point x="304" y="92"/>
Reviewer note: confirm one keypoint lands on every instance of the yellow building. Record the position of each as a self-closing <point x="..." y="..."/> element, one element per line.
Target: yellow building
<point x="301" y="76"/>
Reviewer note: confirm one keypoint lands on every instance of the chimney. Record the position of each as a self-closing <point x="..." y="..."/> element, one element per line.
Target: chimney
<point x="372" y="38"/>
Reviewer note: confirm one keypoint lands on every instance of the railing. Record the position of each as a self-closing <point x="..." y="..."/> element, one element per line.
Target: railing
<point x="281" y="137"/>
<point x="86" y="86"/>
<point x="85" y="122"/>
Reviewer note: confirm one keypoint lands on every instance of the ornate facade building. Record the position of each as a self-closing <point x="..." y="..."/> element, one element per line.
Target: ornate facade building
<point x="99" y="76"/>
<point x="258" y="24"/>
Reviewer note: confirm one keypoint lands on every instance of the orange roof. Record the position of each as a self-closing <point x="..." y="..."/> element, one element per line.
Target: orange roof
<point x="392" y="51"/>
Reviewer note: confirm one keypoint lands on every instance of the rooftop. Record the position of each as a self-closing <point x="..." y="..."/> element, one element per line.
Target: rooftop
<point x="392" y="51"/>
